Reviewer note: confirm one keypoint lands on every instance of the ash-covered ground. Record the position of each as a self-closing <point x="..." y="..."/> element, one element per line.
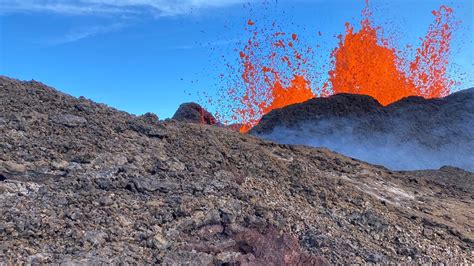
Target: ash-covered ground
<point x="84" y="183"/>
<point x="411" y="134"/>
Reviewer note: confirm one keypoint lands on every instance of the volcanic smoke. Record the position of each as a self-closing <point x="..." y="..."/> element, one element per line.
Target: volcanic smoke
<point x="277" y="69"/>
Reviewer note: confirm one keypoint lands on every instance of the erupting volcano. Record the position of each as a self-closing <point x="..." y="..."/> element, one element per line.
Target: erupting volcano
<point x="277" y="69"/>
<point x="354" y="150"/>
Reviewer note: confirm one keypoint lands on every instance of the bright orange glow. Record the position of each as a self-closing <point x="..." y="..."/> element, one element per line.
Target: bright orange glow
<point x="277" y="81"/>
<point x="364" y="63"/>
<point x="298" y="91"/>
<point x="277" y="70"/>
<point x="429" y="69"/>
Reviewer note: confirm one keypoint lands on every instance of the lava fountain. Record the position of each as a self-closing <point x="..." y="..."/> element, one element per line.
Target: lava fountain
<point x="365" y="63"/>
<point x="277" y="70"/>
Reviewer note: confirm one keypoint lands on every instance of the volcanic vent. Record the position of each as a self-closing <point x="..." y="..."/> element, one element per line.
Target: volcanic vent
<point x="276" y="69"/>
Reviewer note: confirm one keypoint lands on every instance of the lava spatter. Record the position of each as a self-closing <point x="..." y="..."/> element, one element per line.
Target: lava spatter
<point x="365" y="63"/>
<point x="429" y="69"/>
<point x="278" y="70"/>
<point x="273" y="77"/>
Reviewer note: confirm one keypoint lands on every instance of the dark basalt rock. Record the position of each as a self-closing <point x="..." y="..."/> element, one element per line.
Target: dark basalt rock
<point x="339" y="105"/>
<point x="412" y="133"/>
<point x="149" y="118"/>
<point x="194" y="113"/>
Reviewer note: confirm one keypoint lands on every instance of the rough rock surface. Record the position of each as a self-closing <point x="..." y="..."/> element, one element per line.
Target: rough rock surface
<point x="413" y="133"/>
<point x="121" y="188"/>
<point x="193" y="112"/>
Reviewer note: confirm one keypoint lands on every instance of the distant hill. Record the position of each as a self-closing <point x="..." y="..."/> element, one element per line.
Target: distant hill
<point x="413" y="133"/>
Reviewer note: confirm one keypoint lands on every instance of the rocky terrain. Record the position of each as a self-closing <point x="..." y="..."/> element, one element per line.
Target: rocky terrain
<point x="413" y="133"/>
<point x="84" y="183"/>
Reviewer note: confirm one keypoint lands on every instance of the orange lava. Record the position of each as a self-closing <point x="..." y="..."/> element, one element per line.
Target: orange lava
<point x="364" y="63"/>
<point x="429" y="69"/>
<point x="298" y="91"/>
<point x="364" y="66"/>
<point x="278" y="81"/>
<point x="276" y="68"/>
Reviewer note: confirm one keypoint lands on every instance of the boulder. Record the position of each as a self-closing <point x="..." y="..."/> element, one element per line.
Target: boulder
<point x="194" y="113"/>
<point x="69" y="120"/>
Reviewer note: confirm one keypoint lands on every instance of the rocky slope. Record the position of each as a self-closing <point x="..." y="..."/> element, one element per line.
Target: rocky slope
<point x="83" y="183"/>
<point x="413" y="133"/>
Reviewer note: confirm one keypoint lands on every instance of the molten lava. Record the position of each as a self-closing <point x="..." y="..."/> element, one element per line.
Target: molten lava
<point x="277" y="70"/>
<point x="429" y="69"/>
<point x="364" y="66"/>
<point x="364" y="63"/>
<point x="275" y="80"/>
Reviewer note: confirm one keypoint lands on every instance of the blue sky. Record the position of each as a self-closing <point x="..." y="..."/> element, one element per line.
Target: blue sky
<point x="151" y="55"/>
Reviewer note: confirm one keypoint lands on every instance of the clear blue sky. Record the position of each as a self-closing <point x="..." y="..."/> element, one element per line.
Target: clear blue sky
<point x="152" y="55"/>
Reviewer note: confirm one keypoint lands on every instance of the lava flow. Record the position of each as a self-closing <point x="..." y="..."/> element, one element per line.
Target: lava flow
<point x="277" y="70"/>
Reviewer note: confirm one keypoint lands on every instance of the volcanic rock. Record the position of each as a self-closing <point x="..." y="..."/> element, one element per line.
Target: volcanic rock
<point x="413" y="133"/>
<point x="193" y="112"/>
<point x="150" y="118"/>
<point x="123" y="189"/>
<point x="69" y="120"/>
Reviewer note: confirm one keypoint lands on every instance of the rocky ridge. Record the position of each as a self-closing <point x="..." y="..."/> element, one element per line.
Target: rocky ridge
<point x="81" y="182"/>
<point x="413" y="133"/>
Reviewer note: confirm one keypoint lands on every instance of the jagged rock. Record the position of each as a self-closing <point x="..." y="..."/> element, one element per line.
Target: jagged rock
<point x="69" y="120"/>
<point x="12" y="167"/>
<point x="95" y="237"/>
<point x="150" y="118"/>
<point x="193" y="112"/>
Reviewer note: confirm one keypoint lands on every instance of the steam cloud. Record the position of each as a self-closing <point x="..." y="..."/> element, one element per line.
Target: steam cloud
<point x="398" y="147"/>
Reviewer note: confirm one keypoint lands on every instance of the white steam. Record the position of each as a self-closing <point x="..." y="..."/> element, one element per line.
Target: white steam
<point x="396" y="144"/>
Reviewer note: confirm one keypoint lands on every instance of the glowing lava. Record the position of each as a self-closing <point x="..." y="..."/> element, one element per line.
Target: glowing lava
<point x="429" y="69"/>
<point x="277" y="70"/>
<point x="272" y="81"/>
<point x="364" y="63"/>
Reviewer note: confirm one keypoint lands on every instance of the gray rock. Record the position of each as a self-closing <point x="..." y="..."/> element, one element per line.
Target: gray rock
<point x="152" y="184"/>
<point x="13" y="167"/>
<point x="150" y="118"/>
<point x="96" y="237"/>
<point x="188" y="258"/>
<point x="375" y="258"/>
<point x="410" y="134"/>
<point x="69" y="120"/>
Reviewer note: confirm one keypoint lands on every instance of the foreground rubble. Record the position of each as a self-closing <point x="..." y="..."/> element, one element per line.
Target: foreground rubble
<point x="83" y="183"/>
